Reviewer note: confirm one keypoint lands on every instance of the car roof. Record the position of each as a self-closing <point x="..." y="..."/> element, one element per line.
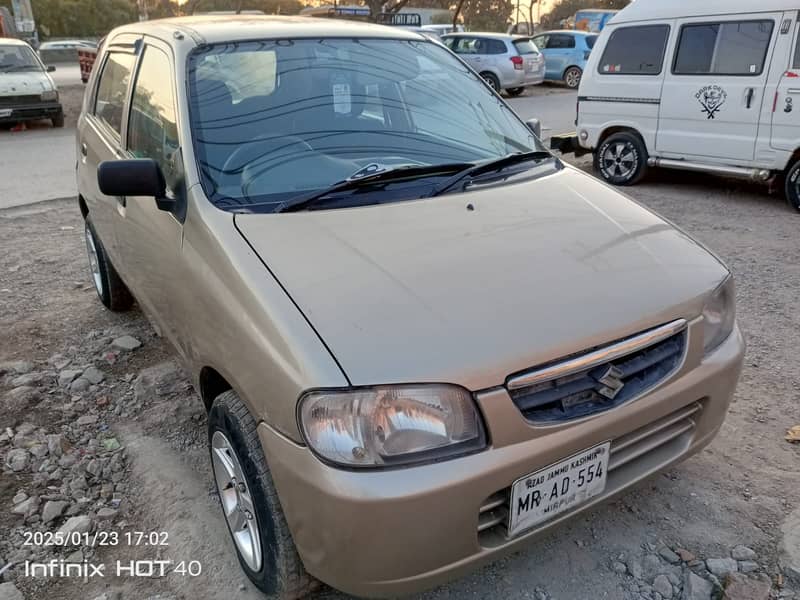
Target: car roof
<point x="12" y="42"/>
<point x="485" y="34"/>
<point x="568" y="31"/>
<point x="645" y="10"/>
<point x="211" y="29"/>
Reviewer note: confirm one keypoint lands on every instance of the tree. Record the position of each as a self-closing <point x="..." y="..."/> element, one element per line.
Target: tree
<point x="487" y="15"/>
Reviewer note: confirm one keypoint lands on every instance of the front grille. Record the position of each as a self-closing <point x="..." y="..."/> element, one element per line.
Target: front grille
<point x="633" y="456"/>
<point x="20" y="100"/>
<point x="602" y="379"/>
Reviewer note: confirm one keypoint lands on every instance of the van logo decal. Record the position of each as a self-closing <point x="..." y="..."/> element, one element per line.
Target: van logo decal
<point x="711" y="98"/>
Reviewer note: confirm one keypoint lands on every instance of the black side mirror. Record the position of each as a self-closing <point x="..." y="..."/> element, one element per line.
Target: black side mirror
<point x="134" y="177"/>
<point x="535" y="125"/>
<point x="51" y="68"/>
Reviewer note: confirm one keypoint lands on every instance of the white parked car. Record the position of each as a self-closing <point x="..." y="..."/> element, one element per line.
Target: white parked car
<point x="703" y="86"/>
<point x="27" y="92"/>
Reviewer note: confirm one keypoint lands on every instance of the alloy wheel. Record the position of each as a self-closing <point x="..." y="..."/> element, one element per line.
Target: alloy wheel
<point x="573" y="78"/>
<point x="94" y="261"/>
<point x="619" y="160"/>
<point x="237" y="502"/>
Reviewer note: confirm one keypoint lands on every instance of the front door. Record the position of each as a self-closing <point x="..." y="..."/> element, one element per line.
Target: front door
<point x="712" y="96"/>
<point x="785" y="133"/>
<point x="560" y="54"/>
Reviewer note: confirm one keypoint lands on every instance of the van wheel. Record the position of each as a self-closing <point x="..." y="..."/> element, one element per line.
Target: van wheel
<point x="572" y="77"/>
<point x="792" y="186"/>
<point x="492" y="80"/>
<point x="250" y="503"/>
<point x="515" y="91"/>
<point x="111" y="290"/>
<point x="621" y="159"/>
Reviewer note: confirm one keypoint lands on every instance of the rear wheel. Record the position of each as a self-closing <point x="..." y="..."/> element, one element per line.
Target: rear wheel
<point x="492" y="80"/>
<point x="111" y="290"/>
<point x="621" y="158"/>
<point x="250" y="502"/>
<point x="792" y="186"/>
<point x="515" y="91"/>
<point x="572" y="77"/>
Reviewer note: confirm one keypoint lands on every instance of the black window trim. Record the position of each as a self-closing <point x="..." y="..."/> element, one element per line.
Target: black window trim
<point x="722" y="22"/>
<point x="663" y="50"/>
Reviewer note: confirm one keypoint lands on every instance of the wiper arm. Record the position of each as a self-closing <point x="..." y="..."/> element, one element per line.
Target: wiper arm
<point x="491" y="166"/>
<point x="357" y="181"/>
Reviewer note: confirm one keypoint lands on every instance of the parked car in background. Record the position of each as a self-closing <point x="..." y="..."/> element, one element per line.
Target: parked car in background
<point x="421" y="339"/>
<point x="443" y="29"/>
<point x="27" y="92"/>
<point x="565" y="53"/>
<point x="706" y="87"/>
<point x="506" y="62"/>
<point x="66" y="45"/>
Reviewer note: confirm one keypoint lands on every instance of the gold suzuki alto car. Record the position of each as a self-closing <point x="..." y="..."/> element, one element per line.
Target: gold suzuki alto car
<point x="421" y="339"/>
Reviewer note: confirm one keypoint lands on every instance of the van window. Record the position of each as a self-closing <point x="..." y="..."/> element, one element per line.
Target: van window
<point x="153" y="129"/>
<point x="635" y="51"/>
<point x="113" y="89"/>
<point x="730" y="48"/>
<point x="796" y="61"/>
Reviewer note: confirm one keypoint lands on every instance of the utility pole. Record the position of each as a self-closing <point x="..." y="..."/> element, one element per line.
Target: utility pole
<point x="142" y="10"/>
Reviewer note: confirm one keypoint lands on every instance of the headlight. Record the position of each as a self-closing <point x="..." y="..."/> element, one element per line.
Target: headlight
<point x="391" y="425"/>
<point x="719" y="315"/>
<point x="49" y="96"/>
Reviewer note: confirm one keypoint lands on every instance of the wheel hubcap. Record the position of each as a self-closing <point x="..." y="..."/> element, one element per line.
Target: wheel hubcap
<point x="237" y="502"/>
<point x="573" y="78"/>
<point x="619" y="160"/>
<point x="491" y="83"/>
<point x="94" y="262"/>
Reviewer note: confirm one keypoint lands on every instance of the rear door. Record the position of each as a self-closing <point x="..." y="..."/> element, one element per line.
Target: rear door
<point x="712" y="96"/>
<point x="785" y="117"/>
<point x="560" y="53"/>
<point x="467" y="48"/>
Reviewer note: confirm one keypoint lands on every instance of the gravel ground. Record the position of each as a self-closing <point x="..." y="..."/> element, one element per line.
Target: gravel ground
<point x="102" y="433"/>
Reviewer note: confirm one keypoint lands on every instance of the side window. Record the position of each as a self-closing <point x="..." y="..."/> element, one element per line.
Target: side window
<point x="561" y="41"/>
<point x="730" y="48"/>
<point x="153" y="129"/>
<point x="494" y="47"/>
<point x="112" y="90"/>
<point x="635" y="51"/>
<point x="796" y="60"/>
<point x="465" y="45"/>
<point x="541" y="41"/>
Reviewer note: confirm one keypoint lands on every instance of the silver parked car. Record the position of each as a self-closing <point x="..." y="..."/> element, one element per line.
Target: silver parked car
<point x="506" y="62"/>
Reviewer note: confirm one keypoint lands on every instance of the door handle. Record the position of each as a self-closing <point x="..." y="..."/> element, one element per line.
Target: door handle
<point x="84" y="149"/>
<point x="749" y="96"/>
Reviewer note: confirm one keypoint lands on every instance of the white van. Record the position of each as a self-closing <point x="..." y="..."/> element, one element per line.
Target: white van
<point x="704" y="86"/>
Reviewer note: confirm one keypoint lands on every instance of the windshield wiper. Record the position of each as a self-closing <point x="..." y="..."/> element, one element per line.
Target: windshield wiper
<point x="491" y="166"/>
<point x="355" y="182"/>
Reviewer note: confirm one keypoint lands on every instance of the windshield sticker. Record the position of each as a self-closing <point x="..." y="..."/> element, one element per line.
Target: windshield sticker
<point x="341" y="98"/>
<point x="711" y="98"/>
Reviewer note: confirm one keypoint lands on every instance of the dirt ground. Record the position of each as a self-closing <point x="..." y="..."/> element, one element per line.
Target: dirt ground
<point x="737" y="492"/>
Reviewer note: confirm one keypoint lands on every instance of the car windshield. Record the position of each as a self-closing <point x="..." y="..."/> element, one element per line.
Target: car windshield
<point x="590" y="40"/>
<point x="18" y="58"/>
<point x="276" y="120"/>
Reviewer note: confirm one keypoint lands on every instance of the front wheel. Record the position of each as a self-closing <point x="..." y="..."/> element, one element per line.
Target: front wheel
<point x="621" y="159"/>
<point x="572" y="77"/>
<point x="515" y="91"/>
<point x="492" y="80"/>
<point x="250" y="503"/>
<point x="792" y="186"/>
<point x="111" y="290"/>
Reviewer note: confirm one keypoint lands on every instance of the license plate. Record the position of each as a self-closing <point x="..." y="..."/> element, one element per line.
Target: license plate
<point x="558" y="488"/>
<point x="5" y="112"/>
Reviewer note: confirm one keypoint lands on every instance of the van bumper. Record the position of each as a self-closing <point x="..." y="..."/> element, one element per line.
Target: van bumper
<point x="395" y="532"/>
<point x="567" y="143"/>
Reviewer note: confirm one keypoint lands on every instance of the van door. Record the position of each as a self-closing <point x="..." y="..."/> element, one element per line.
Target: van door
<point x="785" y="134"/>
<point x="712" y="96"/>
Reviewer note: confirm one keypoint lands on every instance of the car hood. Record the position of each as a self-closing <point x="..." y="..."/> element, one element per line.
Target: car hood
<point x="469" y="288"/>
<point x="21" y="84"/>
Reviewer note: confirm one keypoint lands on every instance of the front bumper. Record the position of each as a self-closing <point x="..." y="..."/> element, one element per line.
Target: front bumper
<point x="384" y="533"/>
<point x="30" y="112"/>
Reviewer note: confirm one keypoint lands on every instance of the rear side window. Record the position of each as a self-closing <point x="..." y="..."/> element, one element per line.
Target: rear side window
<point x="526" y="47"/>
<point x="796" y="60"/>
<point x="113" y="89"/>
<point x="730" y="48"/>
<point x="541" y="41"/>
<point x="590" y="41"/>
<point x="491" y="47"/>
<point x="560" y="41"/>
<point x="635" y="51"/>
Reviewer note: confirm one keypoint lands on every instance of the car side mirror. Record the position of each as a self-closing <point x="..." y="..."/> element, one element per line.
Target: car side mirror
<point x="535" y="125"/>
<point x="134" y="177"/>
<point x="51" y="68"/>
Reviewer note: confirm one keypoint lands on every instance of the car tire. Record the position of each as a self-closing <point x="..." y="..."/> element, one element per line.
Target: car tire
<point x="515" y="91"/>
<point x="791" y="186"/>
<point x="572" y="77"/>
<point x="492" y="80"/>
<point x="111" y="290"/>
<point x="58" y="120"/>
<point x="621" y="159"/>
<point x="237" y="458"/>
